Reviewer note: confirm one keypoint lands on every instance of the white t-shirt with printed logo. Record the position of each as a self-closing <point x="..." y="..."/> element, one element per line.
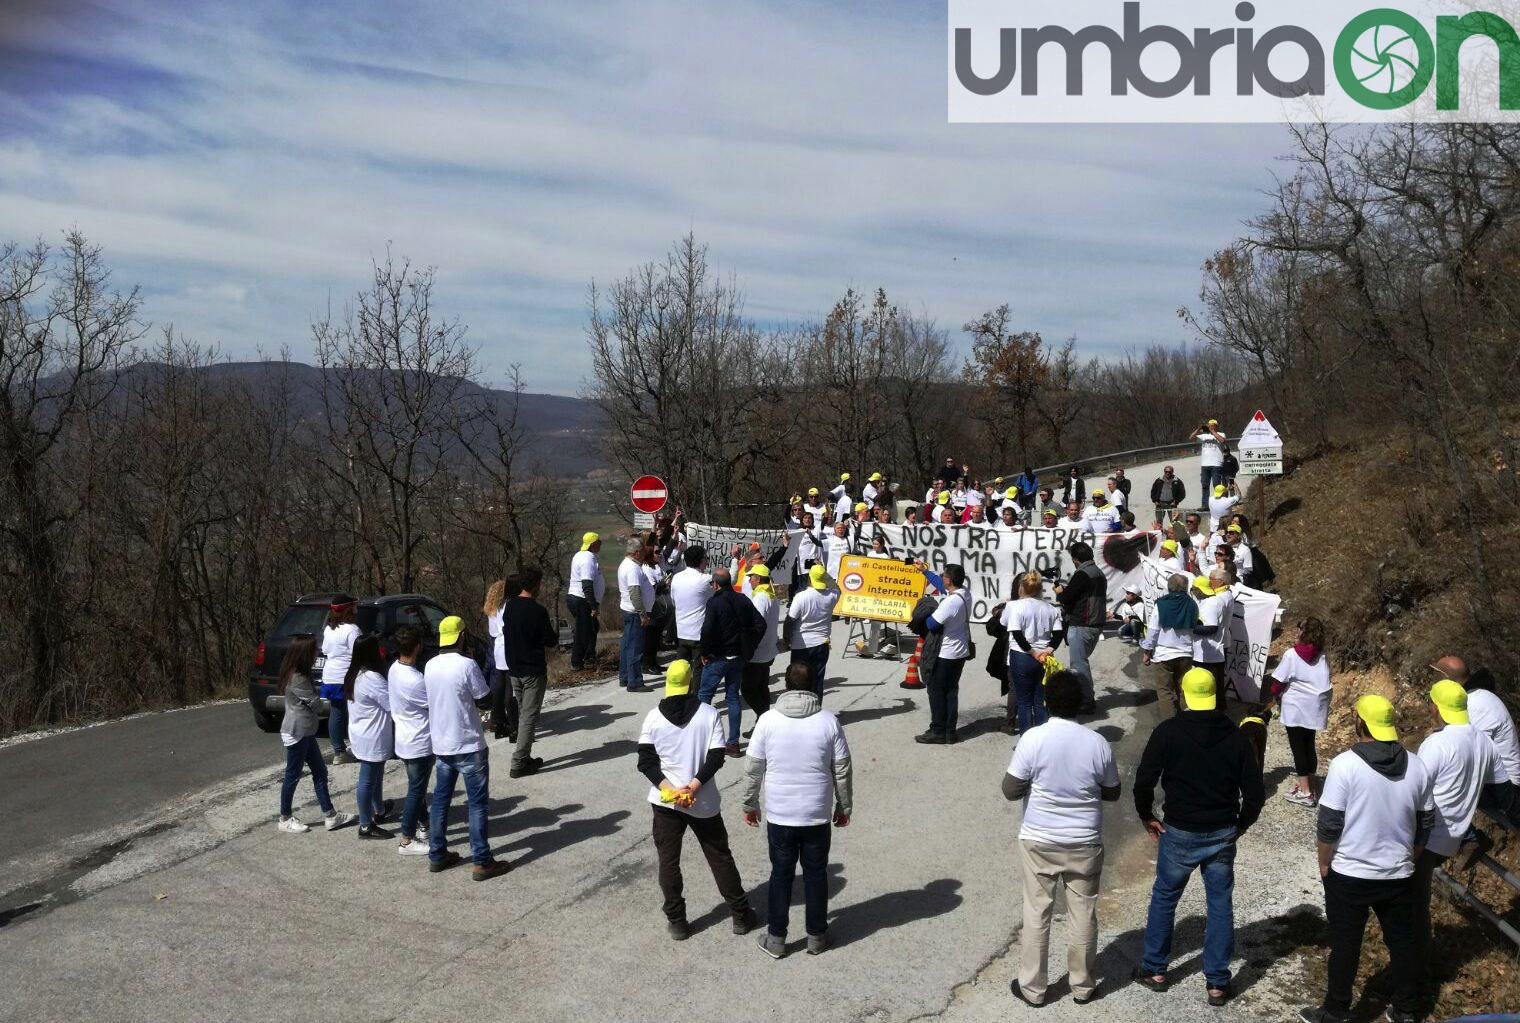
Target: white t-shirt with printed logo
<point x="1460" y="759"/>
<point x="682" y="751"/>
<point x="1377" y="843"/>
<point x="1067" y="765"/>
<point x="1209" y="451"/>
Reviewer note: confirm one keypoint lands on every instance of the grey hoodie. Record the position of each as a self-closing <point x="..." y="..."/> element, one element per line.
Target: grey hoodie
<point x="300" y="719"/>
<point x="800" y="703"/>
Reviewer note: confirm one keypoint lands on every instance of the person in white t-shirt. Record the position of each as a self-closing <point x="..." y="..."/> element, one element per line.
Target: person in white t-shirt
<point x="635" y="601"/>
<point x="584" y="599"/>
<point x="1301" y="685"/>
<point x="689" y="590"/>
<point x="1117" y="497"/>
<point x="1211" y="447"/>
<point x="1222" y="502"/>
<point x="1501" y="795"/>
<point x="681" y="749"/>
<point x="1034" y="631"/>
<point x="1168" y="643"/>
<point x="1375" y="816"/>
<point x="1211" y="635"/>
<point x="799" y="756"/>
<point x="835" y="546"/>
<point x="873" y="487"/>
<point x="952" y="619"/>
<point x="757" y="672"/>
<point x="844" y="504"/>
<point x="1234" y="538"/>
<point x="371" y="733"/>
<point x="414" y="743"/>
<point x="1459" y="759"/>
<point x="810" y="618"/>
<point x="338" y="639"/>
<point x="1064" y="772"/>
<point x="454" y="682"/>
<point x="816" y="505"/>
<point x="503" y="710"/>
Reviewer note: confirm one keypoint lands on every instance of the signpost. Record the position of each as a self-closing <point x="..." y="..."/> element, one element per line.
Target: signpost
<point x="1261" y="454"/>
<point x="648" y="494"/>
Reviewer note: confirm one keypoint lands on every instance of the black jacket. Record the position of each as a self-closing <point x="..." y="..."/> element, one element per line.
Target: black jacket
<point x="1179" y="492"/>
<point x="732" y="627"/>
<point x="526" y="634"/>
<point x="1084" y="598"/>
<point x="1073" y="489"/>
<point x="1208" y="769"/>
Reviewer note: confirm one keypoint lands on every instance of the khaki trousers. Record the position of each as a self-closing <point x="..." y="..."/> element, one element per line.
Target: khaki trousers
<point x="1168" y="679"/>
<point x="1077" y="869"/>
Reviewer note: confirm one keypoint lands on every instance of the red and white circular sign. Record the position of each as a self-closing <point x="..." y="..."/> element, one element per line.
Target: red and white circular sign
<point x="852" y="581"/>
<point x="648" y="493"/>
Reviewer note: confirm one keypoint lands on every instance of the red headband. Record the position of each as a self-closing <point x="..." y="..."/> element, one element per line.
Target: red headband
<point x="342" y="607"/>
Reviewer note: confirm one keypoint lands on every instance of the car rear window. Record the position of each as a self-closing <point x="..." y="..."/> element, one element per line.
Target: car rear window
<point x="301" y="619"/>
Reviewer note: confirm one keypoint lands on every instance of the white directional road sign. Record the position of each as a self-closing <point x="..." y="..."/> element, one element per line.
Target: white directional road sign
<point x="1260" y="450"/>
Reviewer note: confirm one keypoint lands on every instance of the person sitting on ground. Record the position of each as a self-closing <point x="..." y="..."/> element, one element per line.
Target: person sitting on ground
<point x="681" y="749"/>
<point x="1130" y="614"/>
<point x="799" y="756"/>
<point x="1301" y="685"/>
<point x="1064" y="772"/>
<point x="1213" y="796"/>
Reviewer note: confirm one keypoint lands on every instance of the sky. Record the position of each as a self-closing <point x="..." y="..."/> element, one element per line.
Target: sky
<point x="244" y="162"/>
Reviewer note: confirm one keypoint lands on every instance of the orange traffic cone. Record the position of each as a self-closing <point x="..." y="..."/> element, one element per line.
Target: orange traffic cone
<point x="912" y="680"/>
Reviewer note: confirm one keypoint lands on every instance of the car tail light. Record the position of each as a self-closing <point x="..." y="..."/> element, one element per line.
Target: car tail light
<point x="258" y="658"/>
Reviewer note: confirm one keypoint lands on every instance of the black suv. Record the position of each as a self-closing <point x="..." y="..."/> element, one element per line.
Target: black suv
<point x="377" y="616"/>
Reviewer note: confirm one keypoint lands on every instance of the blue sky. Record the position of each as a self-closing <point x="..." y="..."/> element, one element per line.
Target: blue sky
<point x="243" y="162"/>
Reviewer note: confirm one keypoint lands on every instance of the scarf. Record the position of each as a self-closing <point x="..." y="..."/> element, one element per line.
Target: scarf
<point x="764" y="588"/>
<point x="1307" y="652"/>
<point x="1176" y="611"/>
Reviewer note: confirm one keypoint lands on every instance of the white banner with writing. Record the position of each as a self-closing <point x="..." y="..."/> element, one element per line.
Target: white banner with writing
<point x="1251" y="620"/>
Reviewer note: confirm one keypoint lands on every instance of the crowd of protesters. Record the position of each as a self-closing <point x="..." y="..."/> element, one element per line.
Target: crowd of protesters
<point x="1387" y="816"/>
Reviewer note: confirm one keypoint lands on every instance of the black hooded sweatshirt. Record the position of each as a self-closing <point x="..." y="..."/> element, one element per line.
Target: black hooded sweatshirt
<point x="1208" y="769"/>
<point x="678" y="710"/>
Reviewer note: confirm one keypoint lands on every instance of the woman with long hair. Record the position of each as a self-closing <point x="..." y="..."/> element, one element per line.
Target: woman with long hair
<point x="298" y="731"/>
<point x="371" y="731"/>
<point x="338" y="639"/>
<point x="1034" y="631"/>
<point x="1301" y="683"/>
<point x="503" y="718"/>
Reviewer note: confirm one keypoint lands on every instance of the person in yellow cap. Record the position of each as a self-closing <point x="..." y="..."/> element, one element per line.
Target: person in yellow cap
<point x="1213" y="795"/>
<point x="1170" y="557"/>
<point x="1049" y="518"/>
<point x="454" y="683"/>
<point x="843" y="502"/>
<point x="1376" y="814"/>
<point x="1100" y="516"/>
<point x="1222" y="501"/>
<point x="1300" y="684"/>
<point x="1211" y="449"/>
<point x="584" y="600"/>
<point x="680" y="750"/>
<point x="810" y="620"/>
<point x="1211" y="636"/>
<point x="816" y="505"/>
<point x="755" y="687"/>
<point x="1234" y="538"/>
<point x="869" y="492"/>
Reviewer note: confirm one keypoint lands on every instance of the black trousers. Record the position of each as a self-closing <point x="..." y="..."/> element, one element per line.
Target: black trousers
<point x="583" y="643"/>
<point x="945" y="696"/>
<point x="1301" y="742"/>
<point x="1502" y="799"/>
<point x="755" y="686"/>
<point x="503" y="703"/>
<point x="689" y="650"/>
<point x="669" y="828"/>
<point x="1348" y="900"/>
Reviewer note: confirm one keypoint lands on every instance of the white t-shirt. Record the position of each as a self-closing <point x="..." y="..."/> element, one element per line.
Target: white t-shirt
<point x="1118" y="500"/>
<point x="371" y="735"/>
<point x="808" y="547"/>
<point x="1219" y="507"/>
<point x="498" y="639"/>
<point x="835" y="548"/>
<point x="409" y="710"/>
<point x="682" y="752"/>
<point x="338" y="651"/>
<point x="1165" y="644"/>
<point x="1487" y="713"/>
<point x="814" y="614"/>
<point x="843" y="507"/>
<point x="1459" y="758"/>
<point x="1067" y="766"/>
<point x="1209" y="451"/>
<point x="690" y="589"/>
<point x="1306" y="701"/>
<point x="584" y="568"/>
<point x="868" y="494"/>
<point x="1243" y="558"/>
<point x="954" y="613"/>
<point x="1378" y="838"/>
<point x="630" y="576"/>
<point x="1032" y="616"/>
<point x="1215" y="610"/>
<point x="799" y="755"/>
<point x="454" y="683"/>
<point x="1100" y="520"/>
<point x="770" y="612"/>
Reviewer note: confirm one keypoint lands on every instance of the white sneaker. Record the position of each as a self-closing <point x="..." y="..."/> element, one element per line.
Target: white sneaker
<point x="337" y="820"/>
<point x="293" y="826"/>
<point x="1301" y="798"/>
<point x="416" y="847"/>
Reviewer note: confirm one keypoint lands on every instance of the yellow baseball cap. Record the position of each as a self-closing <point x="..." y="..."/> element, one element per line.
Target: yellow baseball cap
<point x="678" y="678"/>
<point x="861" y="506"/>
<point x="1213" y="422"/>
<point x="760" y="570"/>
<point x="1011" y="494"/>
<point x="1198" y="689"/>
<point x="1100" y="492"/>
<point x="1451" y="700"/>
<point x="818" y="577"/>
<point x="1203" y="585"/>
<point x="449" y="630"/>
<point x="875" y="477"/>
<point x="1233" y="528"/>
<point x="1169" y="545"/>
<point x="998" y="482"/>
<point x="1377" y="714"/>
<point x="844" y="477"/>
<point x="796" y="499"/>
<point x="1051" y="512"/>
<point x="944" y="497"/>
<point x="587" y="540"/>
<point x="1219" y="490"/>
<point x="812" y="491"/>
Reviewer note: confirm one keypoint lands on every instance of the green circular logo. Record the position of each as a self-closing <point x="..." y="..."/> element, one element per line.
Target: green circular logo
<point x="1372" y="58"/>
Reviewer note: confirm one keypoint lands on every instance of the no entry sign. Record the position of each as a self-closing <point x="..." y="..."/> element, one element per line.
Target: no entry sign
<point x="648" y="493"/>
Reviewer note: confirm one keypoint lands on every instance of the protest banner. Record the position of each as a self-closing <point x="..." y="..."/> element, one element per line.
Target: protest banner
<point x="878" y="589"/>
<point x="720" y="540"/>
<point x="1250" y="634"/>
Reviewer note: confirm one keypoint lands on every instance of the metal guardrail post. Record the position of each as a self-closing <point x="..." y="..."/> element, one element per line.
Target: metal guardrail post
<point x="1466" y="895"/>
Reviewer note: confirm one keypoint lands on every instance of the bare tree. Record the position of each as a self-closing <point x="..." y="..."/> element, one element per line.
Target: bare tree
<point x="1010" y="366"/>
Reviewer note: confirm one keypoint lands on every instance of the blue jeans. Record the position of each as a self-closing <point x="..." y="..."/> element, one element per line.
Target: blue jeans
<point x="1082" y="640"/>
<point x="788" y="845"/>
<point x="371" y="781"/>
<point x="730" y="673"/>
<point x="816" y="658"/>
<point x="417" y="772"/>
<point x="476" y="769"/>
<point x="1209" y="476"/>
<point x="631" y="653"/>
<point x="337" y="725"/>
<point x="1026" y="690"/>
<point x="305" y="752"/>
<point x="1178" y="854"/>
